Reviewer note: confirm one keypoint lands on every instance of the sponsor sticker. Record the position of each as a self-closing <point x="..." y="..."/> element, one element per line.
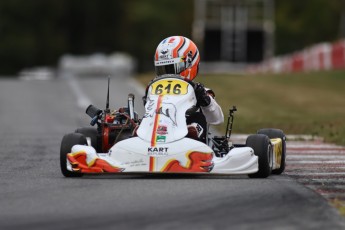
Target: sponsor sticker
<point x="157" y="151"/>
<point x="160" y="139"/>
<point x="162" y="130"/>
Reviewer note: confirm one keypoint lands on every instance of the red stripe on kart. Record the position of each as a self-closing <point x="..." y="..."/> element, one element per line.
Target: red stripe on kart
<point x="156" y="121"/>
<point x="152" y="164"/>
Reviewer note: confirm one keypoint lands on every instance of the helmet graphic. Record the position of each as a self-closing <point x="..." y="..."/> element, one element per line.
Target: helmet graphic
<point x="177" y="55"/>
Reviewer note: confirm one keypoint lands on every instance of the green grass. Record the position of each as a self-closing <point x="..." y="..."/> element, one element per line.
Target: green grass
<point x="306" y="103"/>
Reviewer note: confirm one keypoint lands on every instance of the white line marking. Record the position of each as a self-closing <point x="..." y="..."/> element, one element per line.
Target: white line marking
<point x="311" y="145"/>
<point x="297" y="157"/>
<point x="316" y="162"/>
<point x="82" y="100"/>
<point x="312" y="153"/>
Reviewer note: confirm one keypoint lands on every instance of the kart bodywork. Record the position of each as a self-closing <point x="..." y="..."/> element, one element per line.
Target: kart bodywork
<point x="160" y="144"/>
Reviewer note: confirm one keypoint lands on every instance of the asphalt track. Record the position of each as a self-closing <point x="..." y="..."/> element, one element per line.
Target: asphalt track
<point x="34" y="115"/>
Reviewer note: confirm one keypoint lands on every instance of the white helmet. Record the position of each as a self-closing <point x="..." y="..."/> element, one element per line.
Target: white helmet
<point x="177" y="55"/>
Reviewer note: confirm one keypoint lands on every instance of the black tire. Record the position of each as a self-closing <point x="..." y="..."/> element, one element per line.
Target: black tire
<point x="89" y="132"/>
<point x="277" y="133"/>
<point x="262" y="148"/>
<point x="68" y="141"/>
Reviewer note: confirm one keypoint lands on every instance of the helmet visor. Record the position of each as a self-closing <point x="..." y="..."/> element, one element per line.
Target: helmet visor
<point x="172" y="66"/>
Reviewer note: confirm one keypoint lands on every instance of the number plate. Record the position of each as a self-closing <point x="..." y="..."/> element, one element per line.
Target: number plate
<point x="169" y="87"/>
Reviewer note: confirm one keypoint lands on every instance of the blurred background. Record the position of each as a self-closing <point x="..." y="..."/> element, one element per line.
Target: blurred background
<point x="57" y="32"/>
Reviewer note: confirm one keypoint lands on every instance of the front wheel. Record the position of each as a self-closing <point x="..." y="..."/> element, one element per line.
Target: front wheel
<point x="68" y="141"/>
<point x="262" y="148"/>
<point x="90" y="132"/>
<point x="277" y="133"/>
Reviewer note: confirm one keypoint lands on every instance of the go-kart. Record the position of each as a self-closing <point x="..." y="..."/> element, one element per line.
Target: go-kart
<point x="158" y="143"/>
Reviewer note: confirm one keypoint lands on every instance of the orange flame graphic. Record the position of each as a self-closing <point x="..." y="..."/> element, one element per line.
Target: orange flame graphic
<point x="79" y="164"/>
<point x="198" y="162"/>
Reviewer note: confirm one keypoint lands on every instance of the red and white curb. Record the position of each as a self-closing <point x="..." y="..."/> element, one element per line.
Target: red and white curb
<point x="319" y="166"/>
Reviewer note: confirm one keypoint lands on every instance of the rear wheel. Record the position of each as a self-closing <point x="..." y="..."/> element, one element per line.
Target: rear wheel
<point x="262" y="148"/>
<point x="91" y="133"/>
<point x="277" y="133"/>
<point x="68" y="141"/>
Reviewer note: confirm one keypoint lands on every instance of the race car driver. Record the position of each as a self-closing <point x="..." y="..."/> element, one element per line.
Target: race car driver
<point x="183" y="58"/>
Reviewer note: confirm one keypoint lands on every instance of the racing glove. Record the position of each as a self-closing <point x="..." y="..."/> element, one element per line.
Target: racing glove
<point x="201" y="96"/>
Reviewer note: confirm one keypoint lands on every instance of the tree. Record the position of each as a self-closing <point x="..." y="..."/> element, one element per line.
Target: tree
<point x="302" y="23"/>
